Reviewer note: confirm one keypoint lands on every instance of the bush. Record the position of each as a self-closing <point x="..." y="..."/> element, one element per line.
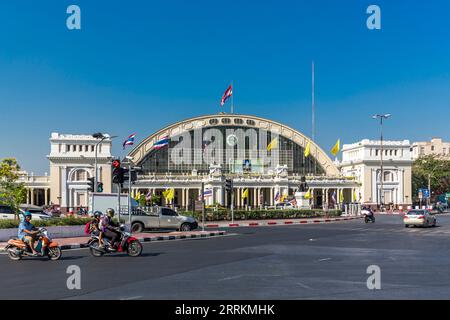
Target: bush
<point x="67" y="221"/>
<point x="223" y="215"/>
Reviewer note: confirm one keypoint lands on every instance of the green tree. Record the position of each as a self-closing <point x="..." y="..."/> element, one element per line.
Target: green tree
<point x="154" y="199"/>
<point x="12" y="193"/>
<point x="438" y="170"/>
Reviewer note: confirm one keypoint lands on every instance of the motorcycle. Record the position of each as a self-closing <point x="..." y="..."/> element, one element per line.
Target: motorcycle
<point x="17" y="249"/>
<point x="368" y="216"/>
<point x="127" y="243"/>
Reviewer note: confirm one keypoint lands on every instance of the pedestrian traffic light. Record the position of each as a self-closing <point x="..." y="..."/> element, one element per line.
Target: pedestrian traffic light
<point x="228" y="185"/>
<point x="100" y="187"/>
<point x="118" y="172"/>
<point x="91" y="184"/>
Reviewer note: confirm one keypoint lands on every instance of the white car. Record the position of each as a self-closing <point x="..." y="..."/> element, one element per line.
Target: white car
<point x="37" y="212"/>
<point x="7" y="212"/>
<point x="423" y="218"/>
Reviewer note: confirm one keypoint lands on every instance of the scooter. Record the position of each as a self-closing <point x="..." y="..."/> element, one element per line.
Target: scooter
<point x="17" y="249"/>
<point x="368" y="216"/>
<point x="127" y="243"/>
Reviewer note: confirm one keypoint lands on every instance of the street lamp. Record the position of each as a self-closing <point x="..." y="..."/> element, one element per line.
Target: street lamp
<point x="429" y="181"/>
<point x="102" y="137"/>
<point x="381" y="117"/>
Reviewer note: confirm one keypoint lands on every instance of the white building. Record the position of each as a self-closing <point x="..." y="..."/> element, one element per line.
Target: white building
<point x="362" y="161"/>
<point x="435" y="147"/>
<point x="72" y="160"/>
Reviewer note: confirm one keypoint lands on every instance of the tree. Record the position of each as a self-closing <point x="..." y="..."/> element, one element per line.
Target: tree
<point x="438" y="170"/>
<point x="12" y="193"/>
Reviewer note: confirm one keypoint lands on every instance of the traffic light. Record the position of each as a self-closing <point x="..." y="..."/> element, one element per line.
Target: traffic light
<point x="91" y="184"/>
<point x="118" y="172"/>
<point x="228" y="185"/>
<point x="100" y="187"/>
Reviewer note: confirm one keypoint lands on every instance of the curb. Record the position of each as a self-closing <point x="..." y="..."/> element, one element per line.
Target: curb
<point x="271" y="223"/>
<point x="151" y="239"/>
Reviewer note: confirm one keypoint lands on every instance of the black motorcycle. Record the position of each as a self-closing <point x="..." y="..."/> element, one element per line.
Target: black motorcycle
<point x="368" y="216"/>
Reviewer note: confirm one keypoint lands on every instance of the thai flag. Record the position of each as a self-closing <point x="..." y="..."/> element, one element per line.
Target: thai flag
<point x="277" y="197"/>
<point x="161" y="143"/>
<point x="129" y="141"/>
<point x="228" y="93"/>
<point x="333" y="197"/>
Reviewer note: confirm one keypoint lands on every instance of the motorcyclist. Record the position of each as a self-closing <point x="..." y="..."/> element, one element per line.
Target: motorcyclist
<point x="27" y="233"/>
<point x="110" y="228"/>
<point x="95" y="227"/>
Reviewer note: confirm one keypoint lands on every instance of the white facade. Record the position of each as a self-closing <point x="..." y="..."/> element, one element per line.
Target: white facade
<point x="436" y="147"/>
<point x="72" y="162"/>
<point x="362" y="160"/>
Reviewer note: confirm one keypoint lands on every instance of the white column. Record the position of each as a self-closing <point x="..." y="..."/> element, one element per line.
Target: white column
<point x="64" y="187"/>
<point x="271" y="196"/>
<point x="183" y="197"/>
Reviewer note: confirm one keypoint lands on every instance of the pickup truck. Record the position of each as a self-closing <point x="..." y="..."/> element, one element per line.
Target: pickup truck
<point x="159" y="218"/>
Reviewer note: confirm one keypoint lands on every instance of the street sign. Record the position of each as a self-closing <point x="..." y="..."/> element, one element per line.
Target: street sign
<point x="424" y="193"/>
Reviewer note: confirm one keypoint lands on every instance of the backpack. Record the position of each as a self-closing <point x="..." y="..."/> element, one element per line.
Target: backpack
<point x="87" y="228"/>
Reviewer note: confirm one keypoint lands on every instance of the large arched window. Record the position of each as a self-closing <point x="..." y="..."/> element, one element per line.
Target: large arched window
<point x="79" y="175"/>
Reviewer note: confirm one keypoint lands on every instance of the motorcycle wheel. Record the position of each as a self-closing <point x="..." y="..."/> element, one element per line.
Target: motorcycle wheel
<point x="134" y="249"/>
<point x="54" y="253"/>
<point x="13" y="256"/>
<point x="95" y="252"/>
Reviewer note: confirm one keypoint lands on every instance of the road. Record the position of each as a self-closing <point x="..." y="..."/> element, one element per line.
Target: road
<point x="318" y="261"/>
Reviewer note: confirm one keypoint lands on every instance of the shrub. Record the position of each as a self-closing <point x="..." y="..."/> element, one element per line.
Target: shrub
<point x="67" y="221"/>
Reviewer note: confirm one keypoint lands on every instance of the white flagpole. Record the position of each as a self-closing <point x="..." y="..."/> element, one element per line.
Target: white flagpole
<point x="232" y="94"/>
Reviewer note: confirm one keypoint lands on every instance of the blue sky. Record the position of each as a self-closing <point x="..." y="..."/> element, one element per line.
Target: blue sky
<point x="136" y="66"/>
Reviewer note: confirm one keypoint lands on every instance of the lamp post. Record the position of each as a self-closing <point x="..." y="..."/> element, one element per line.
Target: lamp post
<point x="381" y="117"/>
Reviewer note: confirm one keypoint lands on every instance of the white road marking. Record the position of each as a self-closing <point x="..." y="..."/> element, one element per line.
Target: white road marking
<point x="325" y="259"/>
<point x="303" y="285"/>
<point x="131" y="298"/>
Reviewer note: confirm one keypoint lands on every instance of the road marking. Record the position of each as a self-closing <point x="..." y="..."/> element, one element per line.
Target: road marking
<point x="131" y="298"/>
<point x="303" y="285"/>
<point x="231" y="278"/>
<point x="325" y="259"/>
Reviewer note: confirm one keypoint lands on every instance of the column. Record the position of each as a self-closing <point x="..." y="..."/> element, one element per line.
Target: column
<point x="183" y="197"/>
<point x="271" y="196"/>
<point x="258" y="191"/>
<point x="64" y="187"/>
<point x="32" y="196"/>
<point x="187" y="199"/>
<point x="46" y="196"/>
<point x="28" y="195"/>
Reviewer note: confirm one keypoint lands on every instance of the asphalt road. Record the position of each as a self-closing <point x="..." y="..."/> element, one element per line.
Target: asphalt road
<point x="320" y="261"/>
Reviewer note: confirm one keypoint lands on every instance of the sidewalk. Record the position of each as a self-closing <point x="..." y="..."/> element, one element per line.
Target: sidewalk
<point x="81" y="242"/>
<point x="272" y="222"/>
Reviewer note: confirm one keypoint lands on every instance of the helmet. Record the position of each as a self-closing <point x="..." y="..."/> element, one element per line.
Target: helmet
<point x="97" y="214"/>
<point x="28" y="214"/>
<point x="110" y="212"/>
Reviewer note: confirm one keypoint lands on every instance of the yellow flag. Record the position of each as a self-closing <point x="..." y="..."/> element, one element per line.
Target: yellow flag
<point x="245" y="194"/>
<point x="273" y="144"/>
<point x="336" y="147"/>
<point x="171" y="194"/>
<point x="307" y="149"/>
<point x="341" y="196"/>
<point x="308" y="194"/>
<point x="137" y="196"/>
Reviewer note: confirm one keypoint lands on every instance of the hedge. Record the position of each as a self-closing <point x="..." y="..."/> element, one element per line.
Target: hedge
<point x="224" y="215"/>
<point x="67" y="221"/>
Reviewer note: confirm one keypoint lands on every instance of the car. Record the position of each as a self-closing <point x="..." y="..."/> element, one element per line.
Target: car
<point x="284" y="205"/>
<point x="422" y="218"/>
<point x="160" y="218"/>
<point x="6" y="212"/>
<point x="37" y="212"/>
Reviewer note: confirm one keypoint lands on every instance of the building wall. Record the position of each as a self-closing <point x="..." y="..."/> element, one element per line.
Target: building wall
<point x="362" y="160"/>
<point x="436" y="147"/>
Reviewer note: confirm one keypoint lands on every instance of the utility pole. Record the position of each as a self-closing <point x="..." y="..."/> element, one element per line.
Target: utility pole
<point x="203" y="206"/>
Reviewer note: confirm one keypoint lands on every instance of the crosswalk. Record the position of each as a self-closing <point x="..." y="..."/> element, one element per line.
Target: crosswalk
<point x="438" y="231"/>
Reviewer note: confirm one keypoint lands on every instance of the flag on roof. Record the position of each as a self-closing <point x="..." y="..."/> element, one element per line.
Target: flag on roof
<point x="228" y="93"/>
<point x="161" y="143"/>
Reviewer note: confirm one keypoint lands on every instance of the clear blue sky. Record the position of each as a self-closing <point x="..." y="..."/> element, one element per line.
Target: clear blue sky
<point x="136" y="66"/>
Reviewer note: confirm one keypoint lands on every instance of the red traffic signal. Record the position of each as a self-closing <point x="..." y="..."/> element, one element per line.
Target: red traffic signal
<point x="116" y="163"/>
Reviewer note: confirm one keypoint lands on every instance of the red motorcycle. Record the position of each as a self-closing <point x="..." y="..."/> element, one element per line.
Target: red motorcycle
<point x="127" y="243"/>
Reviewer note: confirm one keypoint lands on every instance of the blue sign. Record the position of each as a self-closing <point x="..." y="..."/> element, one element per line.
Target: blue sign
<point x="425" y="193"/>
